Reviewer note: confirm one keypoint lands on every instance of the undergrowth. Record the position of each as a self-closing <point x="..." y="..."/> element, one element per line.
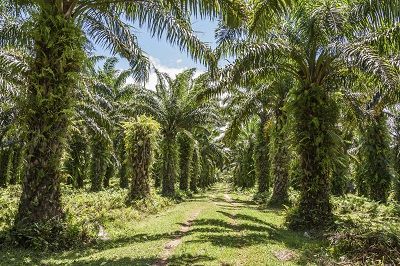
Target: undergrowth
<point x="367" y="232"/>
<point x="88" y="214"/>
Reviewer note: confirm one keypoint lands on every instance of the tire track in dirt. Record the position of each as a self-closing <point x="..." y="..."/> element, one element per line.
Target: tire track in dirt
<point x="174" y="243"/>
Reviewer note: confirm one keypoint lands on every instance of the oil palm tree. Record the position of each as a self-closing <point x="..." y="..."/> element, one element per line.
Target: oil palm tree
<point x="175" y="107"/>
<point x="56" y="33"/>
<point x="317" y="40"/>
<point x="211" y="155"/>
<point x="265" y="99"/>
<point x="243" y="106"/>
<point x="113" y="97"/>
<point x="374" y="167"/>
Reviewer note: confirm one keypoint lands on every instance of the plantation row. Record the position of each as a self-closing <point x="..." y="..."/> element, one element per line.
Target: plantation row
<point x="309" y="104"/>
<point x="104" y="118"/>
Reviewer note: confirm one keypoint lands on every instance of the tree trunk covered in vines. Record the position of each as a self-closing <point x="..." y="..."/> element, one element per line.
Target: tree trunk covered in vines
<point x="341" y="170"/>
<point x="109" y="174"/>
<point x="185" y="159"/>
<point x="375" y="170"/>
<point x="140" y="142"/>
<point x="122" y="173"/>
<point x="396" y="157"/>
<point x="17" y="165"/>
<point x="157" y="170"/>
<point x="205" y="172"/>
<point x="170" y="164"/>
<point x="78" y="160"/>
<point x="4" y="159"/>
<point x="261" y="156"/>
<point x="315" y="115"/>
<point x="58" y="57"/>
<point x="279" y="160"/>
<point x="195" y="171"/>
<point x="99" y="164"/>
<point x="245" y="172"/>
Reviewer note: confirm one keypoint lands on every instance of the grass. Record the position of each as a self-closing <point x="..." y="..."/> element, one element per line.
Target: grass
<point x="231" y="229"/>
<point x="237" y="232"/>
<point x="225" y="233"/>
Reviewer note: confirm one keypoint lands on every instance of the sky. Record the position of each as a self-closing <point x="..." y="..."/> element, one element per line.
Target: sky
<point x="164" y="56"/>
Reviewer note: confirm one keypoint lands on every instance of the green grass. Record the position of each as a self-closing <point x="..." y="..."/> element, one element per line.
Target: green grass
<point x="231" y="229"/>
<point x="224" y="233"/>
<point x="238" y="233"/>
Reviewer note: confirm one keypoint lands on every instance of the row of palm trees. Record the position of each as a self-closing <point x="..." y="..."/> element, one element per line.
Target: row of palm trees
<point x="44" y="46"/>
<point x="297" y="63"/>
<point x="321" y="60"/>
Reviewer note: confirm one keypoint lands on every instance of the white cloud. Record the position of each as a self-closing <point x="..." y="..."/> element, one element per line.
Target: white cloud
<point x="179" y="61"/>
<point x="171" y="71"/>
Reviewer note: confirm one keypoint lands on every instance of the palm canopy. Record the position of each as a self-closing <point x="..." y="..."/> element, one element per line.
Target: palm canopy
<point x="108" y="23"/>
<point x="257" y="99"/>
<point x="174" y="103"/>
<point x="317" y="40"/>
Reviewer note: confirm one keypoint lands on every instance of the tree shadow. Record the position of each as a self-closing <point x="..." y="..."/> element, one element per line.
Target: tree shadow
<point x="251" y="231"/>
<point x="20" y="256"/>
<point x="187" y="259"/>
<point x="126" y="261"/>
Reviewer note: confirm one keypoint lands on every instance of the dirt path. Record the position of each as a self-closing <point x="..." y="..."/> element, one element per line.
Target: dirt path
<point x="174" y="243"/>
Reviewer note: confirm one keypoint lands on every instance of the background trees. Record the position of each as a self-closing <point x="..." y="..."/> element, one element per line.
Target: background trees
<point x="174" y="105"/>
<point x="58" y="32"/>
<point x="313" y="43"/>
<point x="310" y="101"/>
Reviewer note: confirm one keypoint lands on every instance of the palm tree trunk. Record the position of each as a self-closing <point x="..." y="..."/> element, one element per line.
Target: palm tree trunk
<point x="280" y="161"/>
<point x="261" y="158"/>
<point x="195" y="171"/>
<point x="98" y="165"/>
<point x="123" y="177"/>
<point x="376" y="169"/>
<point x="315" y="115"/>
<point x="169" y="171"/>
<point x="4" y="155"/>
<point x="58" y="59"/>
<point x="341" y="171"/>
<point x="17" y="165"/>
<point x="185" y="158"/>
<point x="109" y="174"/>
<point x="396" y="157"/>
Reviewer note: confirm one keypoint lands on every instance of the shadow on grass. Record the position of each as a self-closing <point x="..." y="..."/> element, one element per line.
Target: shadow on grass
<point x="187" y="259"/>
<point x="19" y="256"/>
<point x="246" y="231"/>
<point x="249" y="231"/>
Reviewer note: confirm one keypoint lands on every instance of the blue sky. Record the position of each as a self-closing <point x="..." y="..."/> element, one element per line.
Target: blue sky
<point x="166" y="57"/>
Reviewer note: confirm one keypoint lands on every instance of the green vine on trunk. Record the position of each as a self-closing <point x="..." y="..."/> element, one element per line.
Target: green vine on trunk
<point x="54" y="71"/>
<point x="315" y="115"/>
<point x="140" y="143"/>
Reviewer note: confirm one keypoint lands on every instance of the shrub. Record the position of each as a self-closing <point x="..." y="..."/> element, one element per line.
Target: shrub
<point x="86" y="212"/>
<point x="366" y="232"/>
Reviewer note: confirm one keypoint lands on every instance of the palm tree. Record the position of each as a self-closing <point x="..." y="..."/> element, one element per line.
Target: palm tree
<point x="174" y="105"/>
<point x="244" y="172"/>
<point x="210" y="154"/>
<point x="317" y="41"/>
<point x="113" y="97"/>
<point x="12" y="83"/>
<point x="186" y="150"/>
<point x="374" y="170"/>
<point x="266" y="100"/>
<point x="396" y="155"/>
<point x="56" y="32"/>
<point x="244" y="105"/>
